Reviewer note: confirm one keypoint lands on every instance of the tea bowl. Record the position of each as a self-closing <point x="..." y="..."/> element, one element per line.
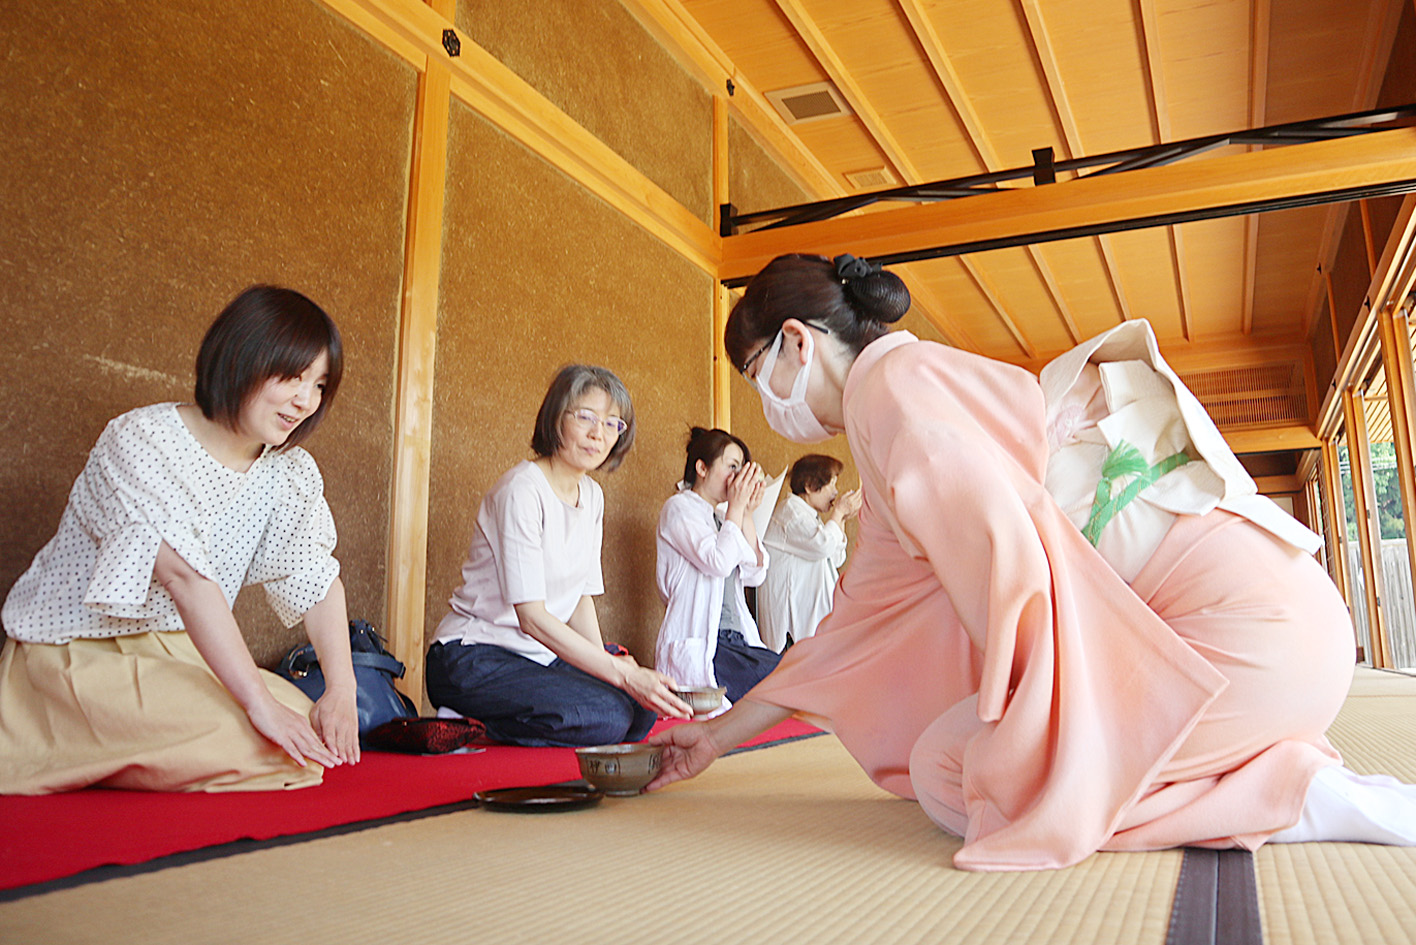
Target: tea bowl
<point x="620" y="770"/>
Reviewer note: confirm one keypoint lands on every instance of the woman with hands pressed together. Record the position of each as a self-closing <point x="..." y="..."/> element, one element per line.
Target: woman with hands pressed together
<point x="521" y="649"/>
<point x="807" y="538"/>
<point x="124" y="666"/>
<point x="708" y="637"/>
<point x="1070" y="623"/>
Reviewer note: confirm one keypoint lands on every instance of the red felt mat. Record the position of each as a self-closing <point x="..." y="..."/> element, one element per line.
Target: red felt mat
<point x="58" y="835"/>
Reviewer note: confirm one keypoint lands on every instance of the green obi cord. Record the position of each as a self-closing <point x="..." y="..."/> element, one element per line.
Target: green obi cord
<point x="1124" y="460"/>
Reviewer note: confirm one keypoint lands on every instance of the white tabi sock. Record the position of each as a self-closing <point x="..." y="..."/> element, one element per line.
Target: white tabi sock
<point x="1347" y="807"/>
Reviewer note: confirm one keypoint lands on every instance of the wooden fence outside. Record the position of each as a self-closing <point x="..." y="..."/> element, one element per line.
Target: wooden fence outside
<point x="1397" y="608"/>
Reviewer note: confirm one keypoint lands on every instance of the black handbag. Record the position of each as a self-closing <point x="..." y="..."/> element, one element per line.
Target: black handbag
<point x="375" y="669"/>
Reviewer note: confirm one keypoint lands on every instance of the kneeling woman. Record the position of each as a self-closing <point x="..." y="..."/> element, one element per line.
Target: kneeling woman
<point x="521" y="649"/>
<point x="708" y="637"/>
<point x="124" y="666"/>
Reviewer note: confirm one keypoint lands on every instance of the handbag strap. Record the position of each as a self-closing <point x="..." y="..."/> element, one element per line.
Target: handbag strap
<point x="379" y="661"/>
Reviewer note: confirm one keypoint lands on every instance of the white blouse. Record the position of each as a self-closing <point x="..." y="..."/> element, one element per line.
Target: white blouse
<point x="806" y="554"/>
<point x="148" y="480"/>
<point x="528" y="546"/>
<point x="694" y="559"/>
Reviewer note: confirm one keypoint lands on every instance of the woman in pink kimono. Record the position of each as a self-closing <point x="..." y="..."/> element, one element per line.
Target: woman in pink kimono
<point x="1070" y="624"/>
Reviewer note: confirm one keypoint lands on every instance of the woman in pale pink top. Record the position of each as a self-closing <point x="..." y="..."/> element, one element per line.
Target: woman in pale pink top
<point x="987" y="657"/>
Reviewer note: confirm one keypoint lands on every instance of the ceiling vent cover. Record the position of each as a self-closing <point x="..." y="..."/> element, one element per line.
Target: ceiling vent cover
<point x="876" y="178"/>
<point x="808" y="103"/>
<point x="1252" y="396"/>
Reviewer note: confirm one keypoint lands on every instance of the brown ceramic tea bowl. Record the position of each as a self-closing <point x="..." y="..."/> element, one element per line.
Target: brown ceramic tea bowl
<point x="620" y="770"/>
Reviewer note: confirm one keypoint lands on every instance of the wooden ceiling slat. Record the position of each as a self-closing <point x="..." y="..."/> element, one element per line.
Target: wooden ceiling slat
<point x="1215" y="274"/>
<point x="1041" y="39"/>
<point x="989" y="291"/>
<point x="1082" y="279"/>
<point x="1259" y="25"/>
<point x="929" y="40"/>
<point x="831" y="64"/>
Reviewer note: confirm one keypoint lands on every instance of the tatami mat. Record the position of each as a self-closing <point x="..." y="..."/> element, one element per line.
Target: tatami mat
<point x="788" y="844"/>
<point x="785" y="845"/>
<point x="1350" y="892"/>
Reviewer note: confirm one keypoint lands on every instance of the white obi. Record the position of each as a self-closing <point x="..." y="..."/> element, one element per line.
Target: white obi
<point x="1114" y="390"/>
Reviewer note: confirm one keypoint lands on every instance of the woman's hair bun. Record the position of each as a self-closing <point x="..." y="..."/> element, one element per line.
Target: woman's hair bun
<point x="875" y="294"/>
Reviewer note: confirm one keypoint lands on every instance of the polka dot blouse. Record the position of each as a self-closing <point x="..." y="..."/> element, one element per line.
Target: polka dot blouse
<point x="147" y="481"/>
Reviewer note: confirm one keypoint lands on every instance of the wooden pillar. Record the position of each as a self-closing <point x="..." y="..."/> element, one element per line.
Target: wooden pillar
<point x="1337" y="345"/>
<point x="1401" y="395"/>
<point x="1368" y="537"/>
<point x="407" y="564"/>
<point x="1331" y="478"/>
<point x="1368" y="238"/>
<point x="722" y="301"/>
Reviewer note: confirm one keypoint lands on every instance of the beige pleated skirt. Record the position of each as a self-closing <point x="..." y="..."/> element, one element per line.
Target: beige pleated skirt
<point x="142" y="712"/>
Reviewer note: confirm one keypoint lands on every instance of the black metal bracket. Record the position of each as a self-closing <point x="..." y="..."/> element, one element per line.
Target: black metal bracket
<point x="1044" y="170"/>
<point x="451" y="43"/>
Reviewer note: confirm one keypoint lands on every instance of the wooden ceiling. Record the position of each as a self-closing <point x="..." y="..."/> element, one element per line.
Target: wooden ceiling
<point x="943" y="89"/>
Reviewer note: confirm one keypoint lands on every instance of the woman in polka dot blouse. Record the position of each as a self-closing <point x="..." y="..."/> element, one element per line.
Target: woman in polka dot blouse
<point x="124" y="666"/>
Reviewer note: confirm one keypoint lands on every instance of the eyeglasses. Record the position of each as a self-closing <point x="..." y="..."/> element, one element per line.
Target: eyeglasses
<point x="614" y="426"/>
<point x="746" y="365"/>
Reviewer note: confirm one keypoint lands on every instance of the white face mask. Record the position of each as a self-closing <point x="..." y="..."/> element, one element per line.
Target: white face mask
<point x="791" y="417"/>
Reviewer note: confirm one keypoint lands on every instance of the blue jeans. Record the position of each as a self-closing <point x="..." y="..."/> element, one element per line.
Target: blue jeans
<point x="524" y="703"/>
<point x="738" y="666"/>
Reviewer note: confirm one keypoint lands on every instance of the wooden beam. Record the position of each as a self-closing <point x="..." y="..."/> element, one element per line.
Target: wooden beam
<point x="1271" y="439"/>
<point x="721" y="370"/>
<point x="407" y="559"/>
<point x="1368" y="542"/>
<point x="509" y="102"/>
<point x="1278" y="485"/>
<point x="1233" y="180"/>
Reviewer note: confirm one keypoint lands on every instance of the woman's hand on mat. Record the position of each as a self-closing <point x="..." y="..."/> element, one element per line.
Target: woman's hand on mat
<point x="291" y="731"/>
<point x="335" y="719"/>
<point x="655" y="691"/>
<point x="688" y="749"/>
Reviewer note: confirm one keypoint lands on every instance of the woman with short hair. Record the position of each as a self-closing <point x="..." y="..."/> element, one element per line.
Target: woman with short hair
<point x="124" y="666"/>
<point x="521" y="649"/>
<point x="807" y="539"/>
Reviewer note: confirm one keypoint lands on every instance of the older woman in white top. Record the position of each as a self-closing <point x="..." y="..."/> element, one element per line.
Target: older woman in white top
<point x="521" y="649"/>
<point x="124" y="666"/>
<point x="808" y="544"/>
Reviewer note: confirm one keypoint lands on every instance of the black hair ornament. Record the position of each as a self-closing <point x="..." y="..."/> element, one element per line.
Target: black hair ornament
<point x="848" y="268"/>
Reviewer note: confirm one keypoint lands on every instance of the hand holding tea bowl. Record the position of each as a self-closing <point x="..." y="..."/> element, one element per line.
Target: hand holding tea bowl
<point x="702" y="699"/>
<point x="620" y="770"/>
